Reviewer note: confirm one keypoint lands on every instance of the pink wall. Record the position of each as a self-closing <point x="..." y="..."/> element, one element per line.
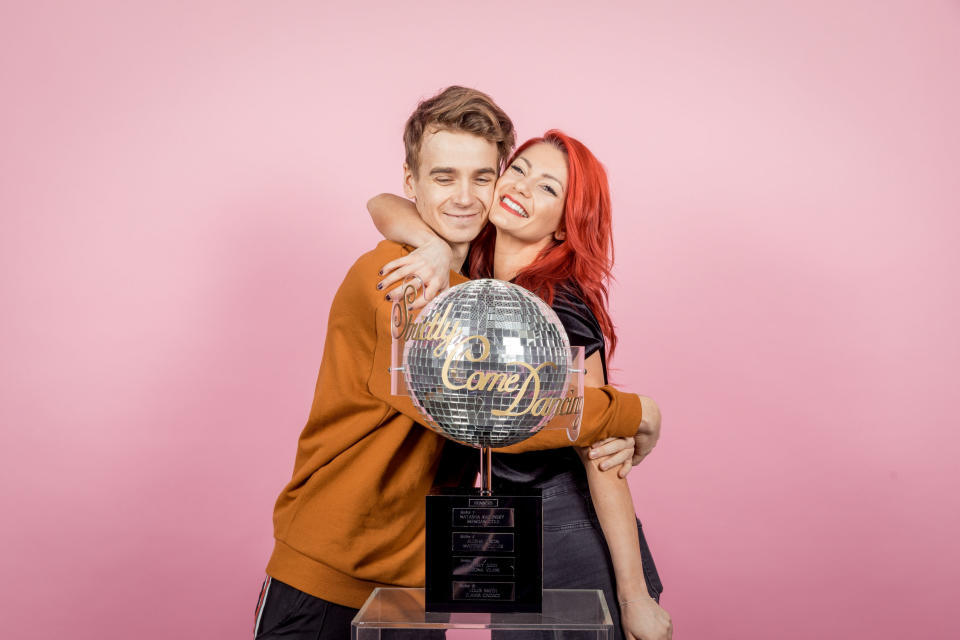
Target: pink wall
<point x="182" y="189"/>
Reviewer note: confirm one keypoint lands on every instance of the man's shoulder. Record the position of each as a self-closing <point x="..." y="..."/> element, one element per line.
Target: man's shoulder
<point x="360" y="284"/>
<point x="367" y="267"/>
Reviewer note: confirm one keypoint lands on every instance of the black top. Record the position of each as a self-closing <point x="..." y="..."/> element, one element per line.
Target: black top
<point x="582" y="326"/>
<point x="536" y="468"/>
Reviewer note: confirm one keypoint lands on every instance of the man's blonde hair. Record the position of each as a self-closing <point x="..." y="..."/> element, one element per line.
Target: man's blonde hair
<point x="458" y="109"/>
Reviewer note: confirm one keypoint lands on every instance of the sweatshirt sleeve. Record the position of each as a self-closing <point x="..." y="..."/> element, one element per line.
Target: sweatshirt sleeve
<point x="607" y="413"/>
<point x="379" y="381"/>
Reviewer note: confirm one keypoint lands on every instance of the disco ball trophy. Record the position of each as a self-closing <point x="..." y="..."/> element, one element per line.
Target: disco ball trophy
<point x="488" y="364"/>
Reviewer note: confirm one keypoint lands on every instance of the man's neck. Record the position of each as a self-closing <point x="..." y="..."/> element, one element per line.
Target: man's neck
<point x="459" y="256"/>
<point x="512" y="255"/>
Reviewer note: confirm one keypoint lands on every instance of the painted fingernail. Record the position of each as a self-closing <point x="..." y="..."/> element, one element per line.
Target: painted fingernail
<point x="381" y="272"/>
<point x="387" y="297"/>
<point x="380" y="286"/>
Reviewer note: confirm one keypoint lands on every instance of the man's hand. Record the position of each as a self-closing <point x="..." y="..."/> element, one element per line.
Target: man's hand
<point x="644" y="619"/>
<point x="612" y="452"/>
<point x="648" y="431"/>
<point x="430" y="264"/>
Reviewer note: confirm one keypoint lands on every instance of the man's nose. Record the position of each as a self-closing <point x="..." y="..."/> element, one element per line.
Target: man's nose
<point x="464" y="195"/>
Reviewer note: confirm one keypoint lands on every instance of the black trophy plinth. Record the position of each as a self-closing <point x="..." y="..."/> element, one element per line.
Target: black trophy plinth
<point x="484" y="552"/>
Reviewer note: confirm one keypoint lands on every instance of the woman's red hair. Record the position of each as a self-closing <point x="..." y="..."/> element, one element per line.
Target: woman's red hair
<point x="585" y="256"/>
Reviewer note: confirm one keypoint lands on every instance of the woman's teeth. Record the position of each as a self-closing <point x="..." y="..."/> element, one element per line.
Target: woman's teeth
<point x="514" y="207"/>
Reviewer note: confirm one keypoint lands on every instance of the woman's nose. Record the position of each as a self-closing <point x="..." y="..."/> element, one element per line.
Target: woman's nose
<point x="523" y="187"/>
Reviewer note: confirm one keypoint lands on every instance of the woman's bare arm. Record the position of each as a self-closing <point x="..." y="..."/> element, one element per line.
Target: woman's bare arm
<point x="614" y="506"/>
<point x="397" y="219"/>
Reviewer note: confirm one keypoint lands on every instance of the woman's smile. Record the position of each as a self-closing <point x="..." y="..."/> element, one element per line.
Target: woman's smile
<point x="513" y="207"/>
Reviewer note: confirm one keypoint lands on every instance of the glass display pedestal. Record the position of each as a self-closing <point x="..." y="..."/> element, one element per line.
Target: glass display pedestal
<point x="399" y="613"/>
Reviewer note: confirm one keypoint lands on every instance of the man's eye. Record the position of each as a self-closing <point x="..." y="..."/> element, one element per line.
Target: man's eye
<point x="444" y="180"/>
<point x="483" y="180"/>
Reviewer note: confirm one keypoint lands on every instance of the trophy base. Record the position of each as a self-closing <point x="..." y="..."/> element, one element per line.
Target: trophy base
<point x="484" y="552"/>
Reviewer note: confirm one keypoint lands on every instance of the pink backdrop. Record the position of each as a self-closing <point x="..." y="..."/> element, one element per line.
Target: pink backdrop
<point x="182" y="189"/>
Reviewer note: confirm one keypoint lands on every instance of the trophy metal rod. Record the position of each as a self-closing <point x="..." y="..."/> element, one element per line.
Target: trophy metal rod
<point x="486" y="477"/>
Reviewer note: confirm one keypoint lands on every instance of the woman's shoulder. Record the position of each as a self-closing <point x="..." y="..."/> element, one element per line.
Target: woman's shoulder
<point x="577" y="318"/>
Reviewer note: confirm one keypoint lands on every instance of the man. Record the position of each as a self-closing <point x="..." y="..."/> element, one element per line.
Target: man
<point x="352" y="517"/>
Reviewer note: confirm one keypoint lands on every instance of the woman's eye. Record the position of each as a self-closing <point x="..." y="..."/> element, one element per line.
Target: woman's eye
<point x="549" y="189"/>
<point x="517" y="169"/>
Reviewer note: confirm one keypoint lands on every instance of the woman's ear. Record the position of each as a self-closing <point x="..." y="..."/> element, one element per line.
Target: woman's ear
<point x="560" y="235"/>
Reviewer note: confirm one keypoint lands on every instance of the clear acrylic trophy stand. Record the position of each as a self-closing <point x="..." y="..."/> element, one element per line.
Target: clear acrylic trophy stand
<point x="387" y="612"/>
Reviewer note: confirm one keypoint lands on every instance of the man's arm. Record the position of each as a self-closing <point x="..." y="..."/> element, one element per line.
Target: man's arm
<point x="607" y="413"/>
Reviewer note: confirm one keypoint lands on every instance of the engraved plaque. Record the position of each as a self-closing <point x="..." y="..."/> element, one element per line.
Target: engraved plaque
<point x="484" y="591"/>
<point x="497" y="566"/>
<point x="476" y="517"/>
<point x="481" y="541"/>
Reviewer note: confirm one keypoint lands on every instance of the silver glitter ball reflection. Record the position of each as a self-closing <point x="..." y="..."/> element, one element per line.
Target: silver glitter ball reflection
<point x="480" y="396"/>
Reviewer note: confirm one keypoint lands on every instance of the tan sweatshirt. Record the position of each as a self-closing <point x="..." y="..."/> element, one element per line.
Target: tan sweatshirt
<point x="352" y="517"/>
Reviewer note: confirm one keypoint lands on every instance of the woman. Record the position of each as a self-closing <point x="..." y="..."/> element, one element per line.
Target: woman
<point x="550" y="231"/>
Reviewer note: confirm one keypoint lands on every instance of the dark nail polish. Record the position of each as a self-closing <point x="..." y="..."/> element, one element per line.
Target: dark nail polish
<point x="380" y="286"/>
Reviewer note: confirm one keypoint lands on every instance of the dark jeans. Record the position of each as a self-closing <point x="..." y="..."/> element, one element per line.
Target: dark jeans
<point x="288" y="613"/>
<point x="575" y="551"/>
<point x="575" y="554"/>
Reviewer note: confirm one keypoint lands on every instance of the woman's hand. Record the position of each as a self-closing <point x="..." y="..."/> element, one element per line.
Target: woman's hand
<point x="430" y="263"/>
<point x="644" y="619"/>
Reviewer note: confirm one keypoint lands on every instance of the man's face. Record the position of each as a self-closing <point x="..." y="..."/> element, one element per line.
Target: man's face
<point x="454" y="185"/>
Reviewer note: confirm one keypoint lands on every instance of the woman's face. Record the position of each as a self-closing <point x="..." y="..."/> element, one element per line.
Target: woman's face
<point x="528" y="203"/>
